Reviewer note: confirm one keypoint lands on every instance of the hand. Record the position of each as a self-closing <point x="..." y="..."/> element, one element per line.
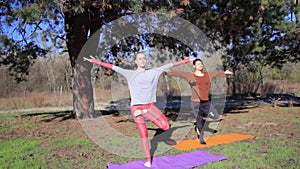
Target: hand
<point x="92" y="59"/>
<point x="228" y="72"/>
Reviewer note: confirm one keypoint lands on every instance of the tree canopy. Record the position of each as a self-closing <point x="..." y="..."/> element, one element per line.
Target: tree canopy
<point x="250" y="31"/>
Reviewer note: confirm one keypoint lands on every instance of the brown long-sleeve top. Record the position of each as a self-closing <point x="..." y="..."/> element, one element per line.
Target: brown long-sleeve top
<point x="200" y="85"/>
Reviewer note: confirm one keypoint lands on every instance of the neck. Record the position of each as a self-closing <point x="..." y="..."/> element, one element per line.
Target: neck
<point x="141" y="68"/>
<point x="198" y="72"/>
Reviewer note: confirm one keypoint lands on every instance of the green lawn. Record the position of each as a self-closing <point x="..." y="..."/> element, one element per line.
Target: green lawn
<point x="25" y="145"/>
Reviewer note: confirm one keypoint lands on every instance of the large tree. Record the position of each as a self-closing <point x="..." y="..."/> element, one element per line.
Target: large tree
<point x="254" y="32"/>
<point x="249" y="30"/>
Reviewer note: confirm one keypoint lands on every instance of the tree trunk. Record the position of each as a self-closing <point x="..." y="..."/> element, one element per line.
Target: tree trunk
<point x="233" y="91"/>
<point x="77" y="27"/>
<point x="48" y="76"/>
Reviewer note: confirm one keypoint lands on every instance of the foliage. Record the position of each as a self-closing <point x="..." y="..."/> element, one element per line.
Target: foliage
<point x="27" y="22"/>
<point x="19" y="59"/>
<point x="266" y="39"/>
<point x="253" y="29"/>
<point x="249" y="31"/>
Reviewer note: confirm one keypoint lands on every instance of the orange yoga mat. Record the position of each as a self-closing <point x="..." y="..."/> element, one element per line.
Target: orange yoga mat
<point x="212" y="141"/>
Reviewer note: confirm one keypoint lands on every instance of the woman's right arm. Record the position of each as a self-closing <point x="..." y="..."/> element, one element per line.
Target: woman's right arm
<point x="98" y="62"/>
<point x="178" y="73"/>
<point x="117" y="69"/>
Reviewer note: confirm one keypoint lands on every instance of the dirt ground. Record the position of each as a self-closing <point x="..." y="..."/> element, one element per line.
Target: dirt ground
<point x="59" y="125"/>
<point x="264" y="122"/>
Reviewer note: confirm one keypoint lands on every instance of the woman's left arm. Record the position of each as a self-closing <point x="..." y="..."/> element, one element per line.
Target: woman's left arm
<point x="220" y="74"/>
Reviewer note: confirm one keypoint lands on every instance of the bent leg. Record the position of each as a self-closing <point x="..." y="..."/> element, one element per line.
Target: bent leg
<point x="157" y="117"/>
<point x="213" y="113"/>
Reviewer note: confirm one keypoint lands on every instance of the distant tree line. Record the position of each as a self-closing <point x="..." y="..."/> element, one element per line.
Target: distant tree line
<point x="53" y="75"/>
<point x="50" y="75"/>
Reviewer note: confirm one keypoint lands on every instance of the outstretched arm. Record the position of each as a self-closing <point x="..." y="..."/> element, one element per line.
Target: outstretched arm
<point x="169" y="65"/>
<point x="228" y="72"/>
<point x="220" y="74"/>
<point x="178" y="73"/>
<point x="184" y="61"/>
<point x="98" y="62"/>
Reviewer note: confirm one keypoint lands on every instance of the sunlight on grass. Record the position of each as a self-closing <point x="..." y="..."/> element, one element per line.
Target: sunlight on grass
<point x="257" y="153"/>
<point x="275" y="146"/>
<point x="64" y="142"/>
<point x="20" y="153"/>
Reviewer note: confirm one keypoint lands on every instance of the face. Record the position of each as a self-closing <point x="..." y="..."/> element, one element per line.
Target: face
<point x="198" y="65"/>
<point x="141" y="60"/>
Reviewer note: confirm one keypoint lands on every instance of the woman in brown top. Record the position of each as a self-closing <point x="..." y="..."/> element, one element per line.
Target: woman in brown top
<point x="200" y="85"/>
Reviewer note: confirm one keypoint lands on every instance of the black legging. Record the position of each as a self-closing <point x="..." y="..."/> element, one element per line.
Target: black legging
<point x="201" y="109"/>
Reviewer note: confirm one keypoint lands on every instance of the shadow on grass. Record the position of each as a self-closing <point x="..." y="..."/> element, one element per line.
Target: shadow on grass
<point x="171" y="110"/>
<point x="162" y="136"/>
<point x="66" y="115"/>
<point x="63" y="115"/>
<point x="232" y="104"/>
<point x="181" y="104"/>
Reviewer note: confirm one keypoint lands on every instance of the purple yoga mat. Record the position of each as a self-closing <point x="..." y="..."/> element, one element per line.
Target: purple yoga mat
<point x="181" y="161"/>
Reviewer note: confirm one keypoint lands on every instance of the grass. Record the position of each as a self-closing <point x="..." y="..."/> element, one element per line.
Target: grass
<point x="20" y="153"/>
<point x="258" y="153"/>
<point x="274" y="146"/>
<point x="271" y="148"/>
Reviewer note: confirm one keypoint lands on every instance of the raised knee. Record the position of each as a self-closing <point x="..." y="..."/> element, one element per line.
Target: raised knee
<point x="166" y="127"/>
